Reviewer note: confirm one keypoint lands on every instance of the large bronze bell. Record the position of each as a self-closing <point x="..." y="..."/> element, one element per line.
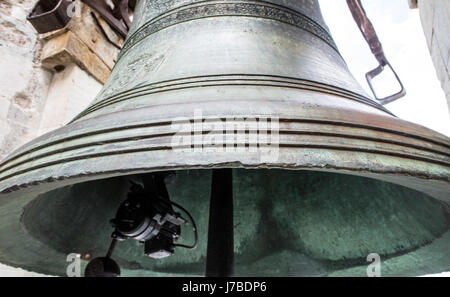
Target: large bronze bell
<point x="336" y="178"/>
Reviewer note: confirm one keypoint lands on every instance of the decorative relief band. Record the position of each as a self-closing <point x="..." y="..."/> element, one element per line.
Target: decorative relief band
<point x="223" y="81"/>
<point x="277" y="13"/>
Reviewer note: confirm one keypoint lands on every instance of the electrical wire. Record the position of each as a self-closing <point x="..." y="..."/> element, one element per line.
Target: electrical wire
<point x="194" y="227"/>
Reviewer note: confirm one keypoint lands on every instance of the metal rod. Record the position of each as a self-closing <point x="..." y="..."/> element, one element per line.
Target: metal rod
<point x="220" y="252"/>
<point x="104" y="10"/>
<point x="111" y="248"/>
<point x="368" y="31"/>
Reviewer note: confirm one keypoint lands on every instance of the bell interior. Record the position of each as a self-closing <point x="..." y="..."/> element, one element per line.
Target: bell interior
<point x="286" y="222"/>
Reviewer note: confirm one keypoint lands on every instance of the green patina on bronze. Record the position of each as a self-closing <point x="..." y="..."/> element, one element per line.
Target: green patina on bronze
<point x="287" y="223"/>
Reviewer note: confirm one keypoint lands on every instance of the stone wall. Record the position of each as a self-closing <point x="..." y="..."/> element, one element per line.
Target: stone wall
<point x="435" y="16"/>
<point x="45" y="80"/>
<point x="23" y="83"/>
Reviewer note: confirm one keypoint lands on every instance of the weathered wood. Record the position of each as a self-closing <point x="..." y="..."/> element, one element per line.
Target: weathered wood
<point x="67" y="48"/>
<point x="99" y="38"/>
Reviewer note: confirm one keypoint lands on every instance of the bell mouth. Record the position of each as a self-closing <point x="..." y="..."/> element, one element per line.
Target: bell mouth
<point x="286" y="223"/>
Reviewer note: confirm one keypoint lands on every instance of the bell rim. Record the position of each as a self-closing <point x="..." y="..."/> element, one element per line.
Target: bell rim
<point x="310" y="140"/>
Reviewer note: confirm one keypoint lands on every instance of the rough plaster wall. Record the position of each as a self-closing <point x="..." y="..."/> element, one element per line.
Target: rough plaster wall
<point x="70" y="92"/>
<point x="23" y="83"/>
<point x="435" y="16"/>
